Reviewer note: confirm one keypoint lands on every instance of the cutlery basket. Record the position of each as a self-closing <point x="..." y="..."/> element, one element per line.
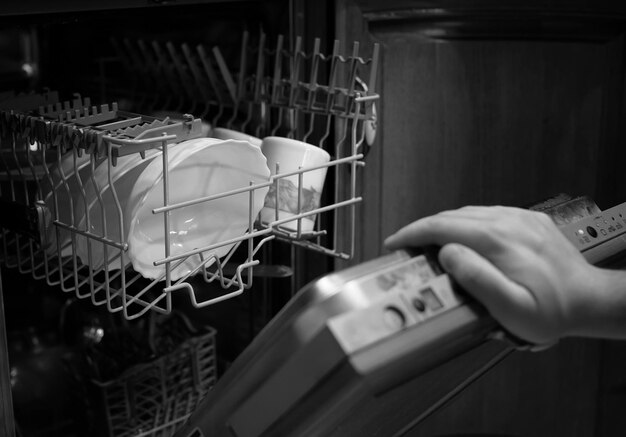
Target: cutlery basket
<point x="155" y="398"/>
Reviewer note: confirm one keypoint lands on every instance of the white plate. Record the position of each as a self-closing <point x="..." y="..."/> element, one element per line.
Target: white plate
<point x="123" y="176"/>
<point x="204" y="167"/>
<point x="229" y="134"/>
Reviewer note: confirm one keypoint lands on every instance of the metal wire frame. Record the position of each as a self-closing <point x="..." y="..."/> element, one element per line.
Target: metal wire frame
<point x="72" y="275"/>
<point x="155" y="398"/>
<point x="278" y="97"/>
<point x="310" y="106"/>
<point x="242" y="96"/>
<point x="132" y="296"/>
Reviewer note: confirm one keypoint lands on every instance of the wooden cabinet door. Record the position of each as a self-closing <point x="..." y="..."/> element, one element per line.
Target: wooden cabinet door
<point x="489" y="105"/>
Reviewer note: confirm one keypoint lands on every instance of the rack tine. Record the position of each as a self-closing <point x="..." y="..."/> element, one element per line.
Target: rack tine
<point x="213" y="81"/>
<point x="312" y="88"/>
<point x="260" y="67"/>
<point x="294" y="77"/>
<point x="309" y="132"/>
<point x="352" y="77"/>
<point x="126" y="57"/>
<point x="228" y="79"/>
<point x="243" y="63"/>
<point x="327" y="131"/>
<point x="295" y="72"/>
<point x="195" y="72"/>
<point x="256" y="98"/>
<point x="144" y="76"/>
<point x="166" y="69"/>
<point x="152" y="71"/>
<point x="210" y="72"/>
<point x="183" y="74"/>
<point x="334" y="63"/>
<point x="278" y="62"/>
<point x="276" y="84"/>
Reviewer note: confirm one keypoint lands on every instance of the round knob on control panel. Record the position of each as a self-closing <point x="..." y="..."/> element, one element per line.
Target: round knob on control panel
<point x="419" y="305"/>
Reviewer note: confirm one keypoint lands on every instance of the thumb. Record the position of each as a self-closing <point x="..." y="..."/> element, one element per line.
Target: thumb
<point x="507" y="301"/>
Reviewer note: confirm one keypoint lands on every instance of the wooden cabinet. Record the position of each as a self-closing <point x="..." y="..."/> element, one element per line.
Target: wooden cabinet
<point x="489" y="104"/>
<point x="492" y="102"/>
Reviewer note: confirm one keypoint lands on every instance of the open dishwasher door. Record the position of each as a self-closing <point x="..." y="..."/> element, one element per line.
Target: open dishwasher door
<point x="351" y="353"/>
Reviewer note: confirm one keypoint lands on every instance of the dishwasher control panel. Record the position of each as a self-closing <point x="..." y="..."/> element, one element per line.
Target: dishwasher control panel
<point x="599" y="236"/>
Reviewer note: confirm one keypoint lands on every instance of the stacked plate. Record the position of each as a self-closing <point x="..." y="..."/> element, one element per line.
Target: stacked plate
<point x="62" y="189"/>
<point x="117" y="203"/>
<point x="197" y="169"/>
<point x="102" y="209"/>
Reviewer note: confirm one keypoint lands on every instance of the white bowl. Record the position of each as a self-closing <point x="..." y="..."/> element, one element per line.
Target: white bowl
<point x="201" y="168"/>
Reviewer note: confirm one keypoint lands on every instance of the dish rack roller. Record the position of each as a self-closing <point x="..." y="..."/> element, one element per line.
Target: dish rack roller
<point x="38" y="132"/>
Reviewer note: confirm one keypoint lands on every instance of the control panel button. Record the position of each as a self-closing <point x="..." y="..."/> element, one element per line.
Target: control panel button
<point x="431" y="300"/>
<point x="419" y="305"/>
<point x="591" y="231"/>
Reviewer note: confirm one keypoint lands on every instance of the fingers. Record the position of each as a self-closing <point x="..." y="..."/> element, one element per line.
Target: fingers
<point x="478" y="227"/>
<point x="507" y="258"/>
<point x="508" y="302"/>
<point x="439" y="229"/>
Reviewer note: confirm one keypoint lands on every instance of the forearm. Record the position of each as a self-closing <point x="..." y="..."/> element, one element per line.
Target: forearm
<point x="602" y="312"/>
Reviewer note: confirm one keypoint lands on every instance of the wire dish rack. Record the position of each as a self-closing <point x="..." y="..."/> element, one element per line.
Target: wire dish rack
<point x="155" y="398"/>
<point x="50" y="150"/>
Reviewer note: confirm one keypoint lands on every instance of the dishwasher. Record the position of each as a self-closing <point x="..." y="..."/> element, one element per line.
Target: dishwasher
<point x="210" y="336"/>
<point x="92" y="97"/>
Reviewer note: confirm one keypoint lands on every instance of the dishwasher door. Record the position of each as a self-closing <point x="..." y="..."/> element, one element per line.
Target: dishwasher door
<point x="368" y="351"/>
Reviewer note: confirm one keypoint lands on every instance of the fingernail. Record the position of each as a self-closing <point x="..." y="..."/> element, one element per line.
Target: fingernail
<point x="388" y="241"/>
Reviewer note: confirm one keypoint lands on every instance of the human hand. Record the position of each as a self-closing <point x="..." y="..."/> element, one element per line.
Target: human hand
<point x="516" y="262"/>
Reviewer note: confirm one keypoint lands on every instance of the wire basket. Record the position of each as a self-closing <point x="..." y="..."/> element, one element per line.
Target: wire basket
<point x="155" y="398"/>
<point x="273" y="95"/>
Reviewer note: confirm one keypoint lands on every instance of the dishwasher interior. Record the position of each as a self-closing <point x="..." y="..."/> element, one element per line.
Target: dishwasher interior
<point x="88" y="102"/>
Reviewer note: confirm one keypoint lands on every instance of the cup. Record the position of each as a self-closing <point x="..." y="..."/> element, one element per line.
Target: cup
<point x="288" y="155"/>
<point x="223" y="133"/>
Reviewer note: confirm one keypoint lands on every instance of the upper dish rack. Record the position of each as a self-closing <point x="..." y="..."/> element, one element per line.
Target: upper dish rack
<point x="46" y="142"/>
